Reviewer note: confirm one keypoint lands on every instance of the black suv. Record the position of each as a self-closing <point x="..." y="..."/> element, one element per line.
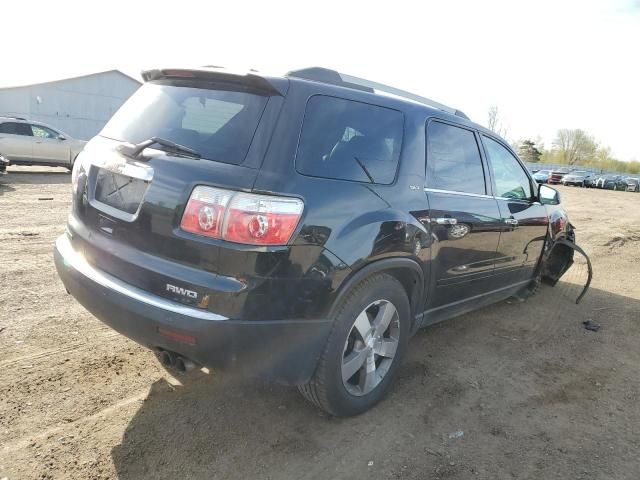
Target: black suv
<point x="299" y="228"/>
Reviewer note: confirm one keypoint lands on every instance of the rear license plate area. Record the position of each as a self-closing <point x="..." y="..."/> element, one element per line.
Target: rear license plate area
<point x="119" y="191"/>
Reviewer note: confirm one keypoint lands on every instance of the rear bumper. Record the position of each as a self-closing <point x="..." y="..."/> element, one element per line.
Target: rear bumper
<point x="285" y="351"/>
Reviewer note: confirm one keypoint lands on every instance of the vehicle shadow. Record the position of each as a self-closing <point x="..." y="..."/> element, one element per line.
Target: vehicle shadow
<point x="5" y="187"/>
<point x="35" y="176"/>
<point x="218" y="427"/>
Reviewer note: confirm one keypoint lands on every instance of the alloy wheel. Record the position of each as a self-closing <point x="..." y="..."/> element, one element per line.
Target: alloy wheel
<point x="371" y="347"/>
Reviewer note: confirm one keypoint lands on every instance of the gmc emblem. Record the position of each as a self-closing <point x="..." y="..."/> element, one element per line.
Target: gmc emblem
<point x="182" y="291"/>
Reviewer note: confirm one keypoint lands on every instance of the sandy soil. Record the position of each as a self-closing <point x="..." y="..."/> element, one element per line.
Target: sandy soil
<point x="534" y="394"/>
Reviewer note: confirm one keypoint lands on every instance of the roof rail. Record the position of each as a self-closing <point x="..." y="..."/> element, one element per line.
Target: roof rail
<point x="13" y="117"/>
<point x="326" y="75"/>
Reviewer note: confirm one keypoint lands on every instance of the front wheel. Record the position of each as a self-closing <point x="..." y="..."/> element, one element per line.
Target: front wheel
<point x="364" y="350"/>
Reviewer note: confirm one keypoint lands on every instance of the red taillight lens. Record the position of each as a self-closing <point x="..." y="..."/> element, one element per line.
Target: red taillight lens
<point x="205" y="211"/>
<point x="242" y="217"/>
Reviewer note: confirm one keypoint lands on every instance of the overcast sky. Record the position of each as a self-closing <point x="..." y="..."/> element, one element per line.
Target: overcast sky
<point x="546" y="64"/>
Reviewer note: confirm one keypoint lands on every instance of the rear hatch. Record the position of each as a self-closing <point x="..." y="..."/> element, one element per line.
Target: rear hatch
<point x="128" y="205"/>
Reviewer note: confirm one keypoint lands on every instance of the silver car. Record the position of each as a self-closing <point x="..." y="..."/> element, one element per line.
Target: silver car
<point x="25" y="142"/>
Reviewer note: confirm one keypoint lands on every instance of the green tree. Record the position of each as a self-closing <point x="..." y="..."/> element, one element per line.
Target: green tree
<point x="575" y="146"/>
<point x="529" y="152"/>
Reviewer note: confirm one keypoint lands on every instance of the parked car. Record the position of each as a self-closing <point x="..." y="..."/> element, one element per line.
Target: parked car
<point x="557" y="175"/>
<point x="26" y="142"/>
<point x="284" y="227"/>
<point x="541" y="176"/>
<point x="580" y="178"/>
<point x="633" y="184"/>
<point x="4" y="163"/>
<point x="611" y="182"/>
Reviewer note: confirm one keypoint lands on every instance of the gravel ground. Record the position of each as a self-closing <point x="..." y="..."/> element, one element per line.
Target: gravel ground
<point x="515" y="390"/>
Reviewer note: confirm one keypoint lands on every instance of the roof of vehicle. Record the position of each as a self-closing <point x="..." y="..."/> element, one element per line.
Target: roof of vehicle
<point x="278" y="84"/>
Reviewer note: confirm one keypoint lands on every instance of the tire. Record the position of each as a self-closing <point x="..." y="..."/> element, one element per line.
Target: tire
<point x="366" y="302"/>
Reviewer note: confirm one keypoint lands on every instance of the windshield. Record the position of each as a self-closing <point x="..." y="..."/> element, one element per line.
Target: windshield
<point x="579" y="173"/>
<point x="218" y="124"/>
<point x="542" y="172"/>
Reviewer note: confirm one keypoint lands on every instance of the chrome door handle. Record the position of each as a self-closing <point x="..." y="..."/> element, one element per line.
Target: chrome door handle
<point x="446" y="221"/>
<point x="511" y="221"/>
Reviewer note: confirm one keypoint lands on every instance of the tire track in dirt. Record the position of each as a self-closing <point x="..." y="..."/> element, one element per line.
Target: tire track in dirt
<point x="71" y="347"/>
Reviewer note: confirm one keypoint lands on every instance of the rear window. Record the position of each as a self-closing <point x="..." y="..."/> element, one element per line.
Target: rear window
<point x="218" y="124"/>
<point x="349" y="140"/>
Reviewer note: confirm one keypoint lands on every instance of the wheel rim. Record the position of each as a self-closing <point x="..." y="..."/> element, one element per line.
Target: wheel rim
<point x="370" y="348"/>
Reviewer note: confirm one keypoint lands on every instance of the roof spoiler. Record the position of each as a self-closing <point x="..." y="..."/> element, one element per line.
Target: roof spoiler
<point x="249" y="79"/>
<point x="333" y="77"/>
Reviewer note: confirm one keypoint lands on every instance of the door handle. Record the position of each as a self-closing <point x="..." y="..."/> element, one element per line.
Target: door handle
<point x="446" y="221"/>
<point x="511" y="221"/>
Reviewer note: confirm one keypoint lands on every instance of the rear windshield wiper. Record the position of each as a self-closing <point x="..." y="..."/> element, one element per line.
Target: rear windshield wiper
<point x="364" y="169"/>
<point x="170" y="147"/>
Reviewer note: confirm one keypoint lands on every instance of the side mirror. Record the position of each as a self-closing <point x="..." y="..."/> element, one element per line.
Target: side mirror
<point x="548" y="195"/>
<point x="62" y="137"/>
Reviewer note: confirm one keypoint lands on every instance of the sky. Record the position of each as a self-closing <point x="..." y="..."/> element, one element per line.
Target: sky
<point x="546" y="64"/>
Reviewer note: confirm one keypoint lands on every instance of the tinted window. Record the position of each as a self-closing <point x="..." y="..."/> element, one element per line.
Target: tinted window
<point x="349" y="140"/>
<point x="453" y="159"/>
<point x="218" y="124"/>
<point x="43" y="132"/>
<point x="15" y="128"/>
<point x="511" y="179"/>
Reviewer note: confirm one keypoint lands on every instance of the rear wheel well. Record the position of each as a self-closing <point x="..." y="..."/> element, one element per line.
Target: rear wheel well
<point x="406" y="271"/>
<point x="411" y="282"/>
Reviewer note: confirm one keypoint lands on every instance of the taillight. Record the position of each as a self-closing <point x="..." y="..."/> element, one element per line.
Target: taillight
<point x="241" y="217"/>
<point x="77" y="171"/>
<point x="205" y="211"/>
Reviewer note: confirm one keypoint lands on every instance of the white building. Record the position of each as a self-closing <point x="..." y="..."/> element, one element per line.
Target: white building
<point x="79" y="106"/>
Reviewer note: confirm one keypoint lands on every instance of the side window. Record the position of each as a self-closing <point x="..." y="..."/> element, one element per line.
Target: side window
<point x="349" y="140"/>
<point x="23" y="129"/>
<point x="511" y="179"/>
<point x="7" y="127"/>
<point x="15" y="128"/>
<point x="453" y="159"/>
<point x="43" y="132"/>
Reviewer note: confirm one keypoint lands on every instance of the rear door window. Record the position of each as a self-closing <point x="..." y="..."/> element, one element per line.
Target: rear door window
<point x="453" y="160"/>
<point x="349" y="140"/>
<point x="218" y="124"/>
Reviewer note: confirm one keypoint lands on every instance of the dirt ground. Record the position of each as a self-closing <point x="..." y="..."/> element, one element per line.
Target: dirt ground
<point x="516" y="390"/>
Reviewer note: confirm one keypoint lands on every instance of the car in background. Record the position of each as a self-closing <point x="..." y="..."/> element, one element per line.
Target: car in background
<point x="541" y="176"/>
<point x="633" y="184"/>
<point x="4" y="163"/>
<point x="580" y="178"/>
<point x="557" y="175"/>
<point x="25" y="142"/>
<point x="611" y="182"/>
